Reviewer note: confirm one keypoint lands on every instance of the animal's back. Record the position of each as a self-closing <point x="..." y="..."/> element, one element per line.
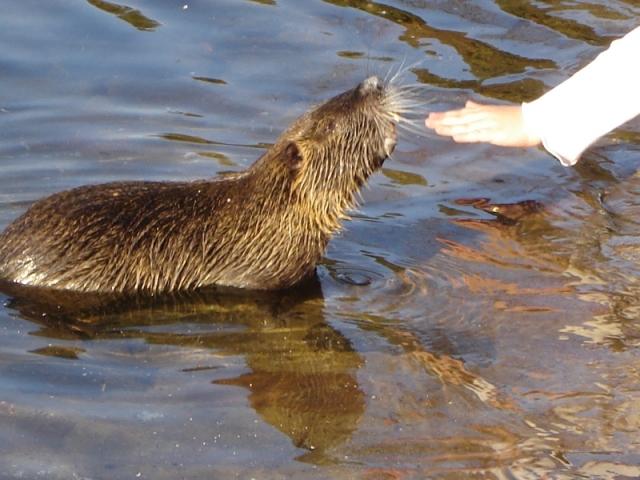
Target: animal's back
<point x="154" y="236"/>
<point x="77" y="238"/>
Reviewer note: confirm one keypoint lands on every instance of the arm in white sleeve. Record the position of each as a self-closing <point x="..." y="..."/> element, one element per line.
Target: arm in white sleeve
<point x="594" y="101"/>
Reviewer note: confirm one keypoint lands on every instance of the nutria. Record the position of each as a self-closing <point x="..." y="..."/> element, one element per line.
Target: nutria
<point x="263" y="228"/>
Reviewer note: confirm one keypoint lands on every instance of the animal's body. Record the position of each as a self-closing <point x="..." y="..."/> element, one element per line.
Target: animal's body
<point x="264" y="228"/>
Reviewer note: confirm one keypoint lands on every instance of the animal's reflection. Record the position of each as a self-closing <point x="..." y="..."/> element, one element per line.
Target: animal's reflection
<point x="302" y="380"/>
<point x="526" y="225"/>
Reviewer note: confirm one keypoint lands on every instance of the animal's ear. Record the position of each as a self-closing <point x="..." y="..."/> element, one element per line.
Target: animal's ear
<point x="292" y="157"/>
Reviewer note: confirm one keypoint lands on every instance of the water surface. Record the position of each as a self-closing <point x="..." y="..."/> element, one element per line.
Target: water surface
<point x="475" y="319"/>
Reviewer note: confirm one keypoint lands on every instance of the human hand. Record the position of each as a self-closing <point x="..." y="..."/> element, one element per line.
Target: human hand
<point x="501" y="125"/>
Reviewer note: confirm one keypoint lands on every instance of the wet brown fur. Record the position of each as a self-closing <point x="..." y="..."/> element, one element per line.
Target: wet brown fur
<point x="264" y="228"/>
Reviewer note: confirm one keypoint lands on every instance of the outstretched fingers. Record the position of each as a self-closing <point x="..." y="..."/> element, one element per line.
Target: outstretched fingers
<point x="497" y="124"/>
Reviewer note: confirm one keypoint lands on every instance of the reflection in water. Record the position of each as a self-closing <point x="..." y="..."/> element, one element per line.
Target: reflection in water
<point x="302" y="370"/>
<point x="524" y="233"/>
<point x="514" y="235"/>
<point x="570" y="28"/>
<point x="128" y="14"/>
<point x="450" y="370"/>
<point x="483" y="60"/>
<point x="524" y="262"/>
<point x="307" y="389"/>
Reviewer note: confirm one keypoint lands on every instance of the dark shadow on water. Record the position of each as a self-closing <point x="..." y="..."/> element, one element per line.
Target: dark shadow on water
<point x="302" y="370"/>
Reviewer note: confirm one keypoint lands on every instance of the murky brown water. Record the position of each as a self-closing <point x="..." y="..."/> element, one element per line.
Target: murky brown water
<point x="478" y="318"/>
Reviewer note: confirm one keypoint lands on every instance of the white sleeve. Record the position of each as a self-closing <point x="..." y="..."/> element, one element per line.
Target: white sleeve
<point x="594" y="101"/>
